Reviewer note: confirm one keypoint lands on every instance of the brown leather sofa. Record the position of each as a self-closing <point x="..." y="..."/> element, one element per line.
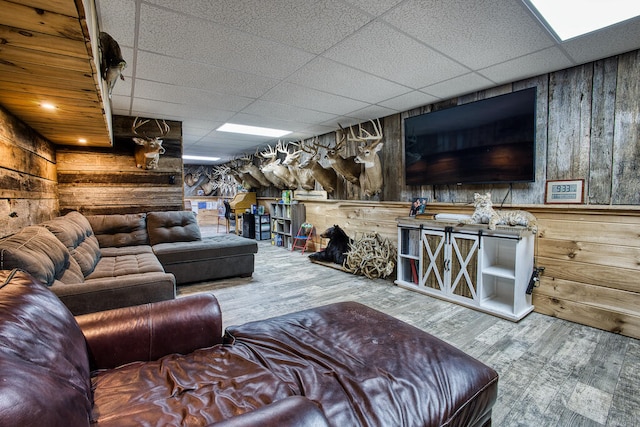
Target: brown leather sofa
<point x="168" y="363"/>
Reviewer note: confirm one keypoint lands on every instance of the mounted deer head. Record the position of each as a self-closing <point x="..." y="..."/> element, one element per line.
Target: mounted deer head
<point x="192" y="177"/>
<point x="248" y="167"/>
<point x="345" y="167"/>
<point x="326" y="177"/>
<point x="148" y="151"/>
<point x="368" y="147"/>
<point x="268" y="168"/>
<point x="304" y="178"/>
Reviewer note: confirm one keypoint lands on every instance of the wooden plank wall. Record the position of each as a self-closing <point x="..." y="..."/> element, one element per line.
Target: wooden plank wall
<point x="28" y="187"/>
<point x="590" y="255"/>
<point x="104" y="181"/>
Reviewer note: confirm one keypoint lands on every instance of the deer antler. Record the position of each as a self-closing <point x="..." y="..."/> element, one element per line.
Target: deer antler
<point x="270" y="153"/>
<point x="364" y="135"/>
<point x="164" y="128"/>
<point x="312" y="149"/>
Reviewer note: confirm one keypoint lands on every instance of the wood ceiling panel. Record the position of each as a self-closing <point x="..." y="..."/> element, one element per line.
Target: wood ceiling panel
<point x="63" y="7"/>
<point x="46" y="91"/>
<point x="45" y="55"/>
<point x="39" y="20"/>
<point x="17" y="55"/>
<point x="16" y="37"/>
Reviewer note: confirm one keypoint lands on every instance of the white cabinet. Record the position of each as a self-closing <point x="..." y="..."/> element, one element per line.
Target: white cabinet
<point x="484" y="269"/>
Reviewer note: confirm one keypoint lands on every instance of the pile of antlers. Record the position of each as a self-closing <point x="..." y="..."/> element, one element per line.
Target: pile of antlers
<point x="371" y="256"/>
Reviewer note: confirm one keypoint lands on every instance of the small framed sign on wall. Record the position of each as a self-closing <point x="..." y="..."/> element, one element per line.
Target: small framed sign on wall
<point x="565" y="191"/>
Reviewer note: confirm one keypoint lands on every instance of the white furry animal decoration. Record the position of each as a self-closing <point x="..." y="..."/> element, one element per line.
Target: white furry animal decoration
<point x="485" y="214"/>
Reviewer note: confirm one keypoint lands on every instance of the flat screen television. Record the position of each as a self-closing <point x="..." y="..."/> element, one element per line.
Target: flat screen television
<point x="486" y="141"/>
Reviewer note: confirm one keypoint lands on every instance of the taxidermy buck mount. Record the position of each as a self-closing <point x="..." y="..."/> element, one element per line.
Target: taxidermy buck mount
<point x="368" y="147"/>
<point x="148" y="148"/>
<point x="345" y="167"/>
<point x="111" y="61"/>
<point x="303" y="177"/>
<point x="326" y="177"/>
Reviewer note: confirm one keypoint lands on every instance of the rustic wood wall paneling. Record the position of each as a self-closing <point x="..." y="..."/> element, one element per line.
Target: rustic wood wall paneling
<point x="106" y="180"/>
<point x="28" y="186"/>
<point x="590" y="276"/>
<point x="626" y="153"/>
<point x="602" y="136"/>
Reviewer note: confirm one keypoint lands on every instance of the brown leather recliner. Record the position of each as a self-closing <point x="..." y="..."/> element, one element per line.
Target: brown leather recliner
<point x="167" y="363"/>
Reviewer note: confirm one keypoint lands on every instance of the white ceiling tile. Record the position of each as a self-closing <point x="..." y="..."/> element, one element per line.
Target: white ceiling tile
<point x="604" y="43"/>
<point x="169" y="110"/>
<point x="187" y="95"/>
<point x="475" y="33"/>
<point x="179" y="72"/>
<point x="374" y="7"/>
<point x="409" y="100"/>
<point x="313" y="26"/>
<point x="117" y="17"/>
<point x="312" y="99"/>
<point x="527" y="66"/>
<point x="197" y="125"/>
<point x="458" y="86"/>
<point x="329" y="76"/>
<point x="395" y="57"/>
<point x="286" y="112"/>
<point x="172" y="34"/>
<point x="372" y="112"/>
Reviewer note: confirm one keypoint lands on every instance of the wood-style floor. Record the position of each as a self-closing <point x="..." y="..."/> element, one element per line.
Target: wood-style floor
<point x="552" y="372"/>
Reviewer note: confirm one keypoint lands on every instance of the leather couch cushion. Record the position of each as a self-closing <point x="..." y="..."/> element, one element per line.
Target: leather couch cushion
<point x="45" y="366"/>
<point x="75" y="232"/>
<point x="367" y="368"/>
<point x="198" y="388"/>
<point x="119" y="230"/>
<point x="36" y="250"/>
<point x="172" y="226"/>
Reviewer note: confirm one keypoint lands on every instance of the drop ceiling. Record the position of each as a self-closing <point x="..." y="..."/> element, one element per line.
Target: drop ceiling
<point x="306" y="65"/>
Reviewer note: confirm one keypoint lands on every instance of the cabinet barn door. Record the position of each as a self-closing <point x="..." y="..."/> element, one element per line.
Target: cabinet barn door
<point x="433" y="256"/>
<point x="464" y="266"/>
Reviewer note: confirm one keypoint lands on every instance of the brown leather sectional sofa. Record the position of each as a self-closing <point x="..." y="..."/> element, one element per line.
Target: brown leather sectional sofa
<point x="101" y="262"/>
<point x="169" y="364"/>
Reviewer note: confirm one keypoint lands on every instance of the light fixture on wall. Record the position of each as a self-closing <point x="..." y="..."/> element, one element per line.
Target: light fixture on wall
<point x="567" y="19"/>
<point x="253" y="130"/>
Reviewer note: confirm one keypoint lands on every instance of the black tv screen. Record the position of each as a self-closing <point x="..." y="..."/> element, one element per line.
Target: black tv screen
<point x="487" y="141"/>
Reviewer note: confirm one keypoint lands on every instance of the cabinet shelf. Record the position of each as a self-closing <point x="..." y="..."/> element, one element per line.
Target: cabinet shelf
<point x="484" y="269"/>
<point x="506" y="272"/>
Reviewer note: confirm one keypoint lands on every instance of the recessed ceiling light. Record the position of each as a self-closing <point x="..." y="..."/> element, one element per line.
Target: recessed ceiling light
<point x="203" y="158"/>
<point x="82" y="140"/>
<point x="573" y="18"/>
<point x="48" y="106"/>
<point x="252" y="130"/>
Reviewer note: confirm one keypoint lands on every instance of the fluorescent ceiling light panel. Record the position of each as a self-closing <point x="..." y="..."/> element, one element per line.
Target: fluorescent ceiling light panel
<point x="573" y="18"/>
<point x="253" y="130"/>
<point x="203" y="158"/>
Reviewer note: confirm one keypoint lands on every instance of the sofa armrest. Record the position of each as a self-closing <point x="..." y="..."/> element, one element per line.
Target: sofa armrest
<point x="149" y="331"/>
<point x="294" y="411"/>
